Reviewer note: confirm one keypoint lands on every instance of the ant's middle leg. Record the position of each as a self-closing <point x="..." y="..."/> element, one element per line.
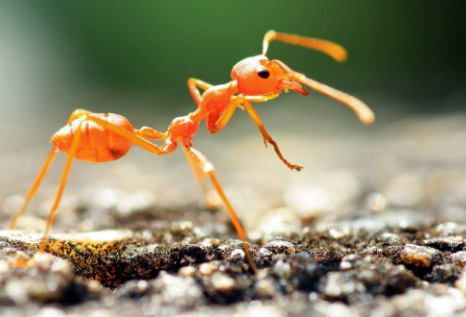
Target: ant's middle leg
<point x="209" y="170"/>
<point x="211" y="198"/>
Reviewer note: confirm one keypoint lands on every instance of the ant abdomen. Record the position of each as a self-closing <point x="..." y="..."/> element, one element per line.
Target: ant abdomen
<point x="96" y="143"/>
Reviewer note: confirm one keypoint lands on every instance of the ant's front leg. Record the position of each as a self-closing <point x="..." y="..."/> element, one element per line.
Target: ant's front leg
<point x="267" y="137"/>
<point x="216" y="123"/>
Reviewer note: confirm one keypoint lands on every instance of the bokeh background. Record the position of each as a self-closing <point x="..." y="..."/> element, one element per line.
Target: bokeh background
<point x="406" y="60"/>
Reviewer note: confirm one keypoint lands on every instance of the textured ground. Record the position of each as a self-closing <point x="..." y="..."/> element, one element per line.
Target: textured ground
<point x="374" y="226"/>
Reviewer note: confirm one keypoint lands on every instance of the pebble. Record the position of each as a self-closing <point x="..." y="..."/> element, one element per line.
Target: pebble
<point x="459" y="259"/>
<point x="279" y="246"/>
<point x="208" y="268"/>
<point x="49" y="279"/>
<point x="282" y="269"/>
<point x="265" y="289"/>
<point x="133" y="289"/>
<point x="187" y="271"/>
<point x="445" y="273"/>
<point x="451" y="244"/>
<point x="182" y="291"/>
<point x="418" y="255"/>
<point x="340" y="286"/>
<point x="222" y="282"/>
<point x="389" y="238"/>
<point x="236" y="255"/>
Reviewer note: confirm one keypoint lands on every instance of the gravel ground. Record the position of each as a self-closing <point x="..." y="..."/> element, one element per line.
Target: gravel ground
<point x="374" y="226"/>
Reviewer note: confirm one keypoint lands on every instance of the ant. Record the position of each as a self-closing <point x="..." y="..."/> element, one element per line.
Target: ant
<point x="105" y="137"/>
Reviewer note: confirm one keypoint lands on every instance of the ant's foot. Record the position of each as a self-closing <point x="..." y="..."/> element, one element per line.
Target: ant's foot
<point x="294" y="167"/>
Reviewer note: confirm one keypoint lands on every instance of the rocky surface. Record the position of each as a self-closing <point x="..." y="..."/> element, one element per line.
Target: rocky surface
<point x="365" y="230"/>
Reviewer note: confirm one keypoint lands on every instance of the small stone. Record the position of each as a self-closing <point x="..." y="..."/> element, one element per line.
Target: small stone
<point x="237" y="255"/>
<point x="369" y="251"/>
<point x="264" y="252"/>
<point x="336" y="234"/>
<point x="459" y="258"/>
<point x="419" y="256"/>
<point x="208" y="242"/>
<point x="265" y="289"/>
<point x="279" y="246"/>
<point x="350" y="262"/>
<point x="182" y="291"/>
<point x="187" y="271"/>
<point x="452" y="244"/>
<point x="222" y="282"/>
<point x="133" y="289"/>
<point x="339" y="286"/>
<point x="207" y="268"/>
<point x="282" y="269"/>
<point x="444" y="273"/>
<point x="389" y="238"/>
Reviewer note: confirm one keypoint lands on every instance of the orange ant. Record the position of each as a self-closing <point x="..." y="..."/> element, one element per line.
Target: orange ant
<point x="105" y="137"/>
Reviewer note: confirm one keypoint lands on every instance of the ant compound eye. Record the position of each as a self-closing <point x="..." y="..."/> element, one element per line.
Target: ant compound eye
<point x="263" y="73"/>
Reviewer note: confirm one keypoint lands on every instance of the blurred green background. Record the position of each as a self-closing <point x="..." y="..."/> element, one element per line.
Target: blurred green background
<point x="408" y="50"/>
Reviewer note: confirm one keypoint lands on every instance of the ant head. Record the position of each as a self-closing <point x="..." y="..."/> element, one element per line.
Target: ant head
<point x="260" y="76"/>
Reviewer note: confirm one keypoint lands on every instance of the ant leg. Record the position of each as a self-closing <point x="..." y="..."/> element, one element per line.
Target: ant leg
<point x="364" y="113"/>
<point x="61" y="187"/>
<point x="214" y="125"/>
<point x="193" y="85"/>
<point x="225" y="117"/>
<point x="35" y="186"/>
<point x="210" y="196"/>
<point x="267" y="137"/>
<point x="43" y="171"/>
<point x="336" y="51"/>
<point x="209" y="170"/>
<point x="150" y="133"/>
<point x="217" y="125"/>
<point x="261" y="98"/>
<point x="167" y="147"/>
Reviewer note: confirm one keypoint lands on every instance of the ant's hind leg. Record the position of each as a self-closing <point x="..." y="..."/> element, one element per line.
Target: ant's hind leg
<point x="35" y="186"/>
<point x="209" y="170"/>
<point x="61" y="187"/>
<point x="43" y="171"/>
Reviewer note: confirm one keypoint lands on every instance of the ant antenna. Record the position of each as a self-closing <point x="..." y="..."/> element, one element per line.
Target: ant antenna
<point x="364" y="113"/>
<point x="337" y="52"/>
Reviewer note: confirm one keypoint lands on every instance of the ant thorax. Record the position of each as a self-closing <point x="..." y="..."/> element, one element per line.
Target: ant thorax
<point x="182" y="127"/>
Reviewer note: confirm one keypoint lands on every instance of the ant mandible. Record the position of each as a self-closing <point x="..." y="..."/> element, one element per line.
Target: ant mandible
<point x="105" y="137"/>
